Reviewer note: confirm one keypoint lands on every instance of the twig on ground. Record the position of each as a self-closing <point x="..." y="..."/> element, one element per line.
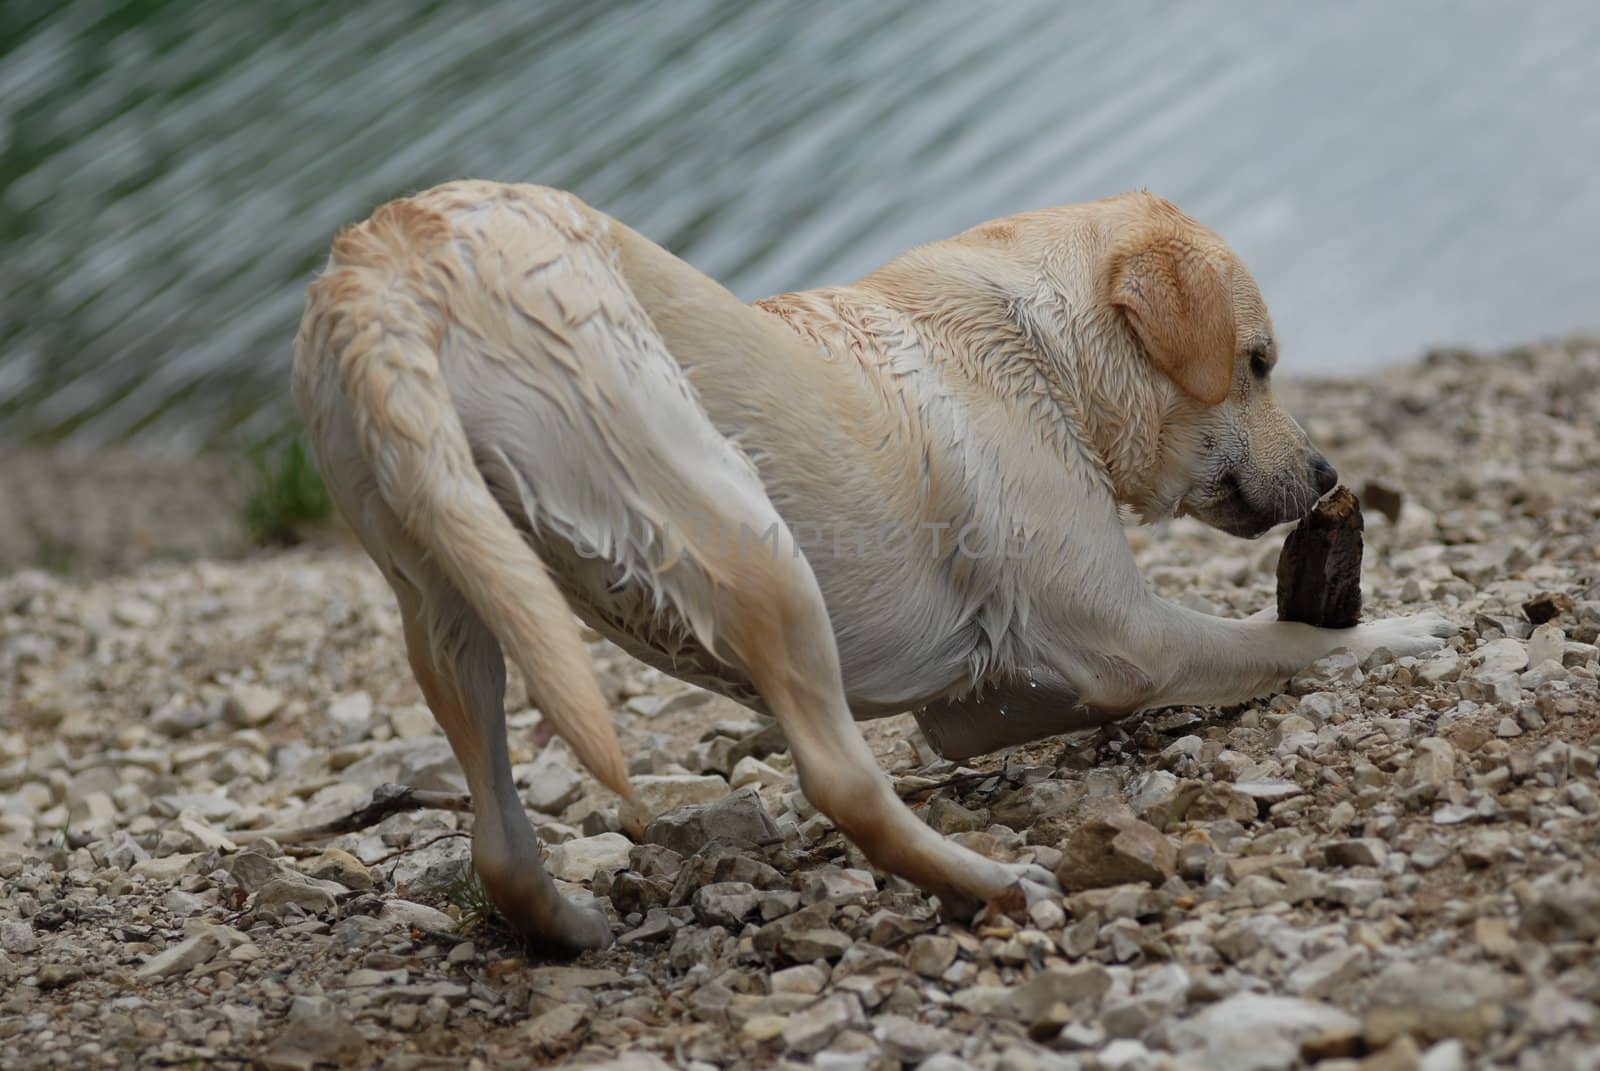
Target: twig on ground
<point x="387" y="800"/>
<point x="398" y="852"/>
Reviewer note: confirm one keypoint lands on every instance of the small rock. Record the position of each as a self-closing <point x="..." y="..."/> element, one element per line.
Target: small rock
<point x="253" y="870"/>
<point x="909" y="1041"/>
<point x="656" y="794"/>
<point x="812" y="1029"/>
<point x="1433" y="765"/>
<point x="1354" y="893"/>
<point x="559" y="1028"/>
<point x="189" y="953"/>
<point x="249" y="705"/>
<point x="16" y="936"/>
<point x="1047" y="915"/>
<point x="412" y="722"/>
<point x="352" y="715"/>
<point x="1486" y="849"/>
<point x="726" y="903"/>
<point x="1341" y="669"/>
<point x="948" y="816"/>
<point x="411" y="915"/>
<point x="1115" y="849"/>
<point x="1547" y="644"/>
<point x="1319" y="978"/>
<point x="59" y="975"/>
<point x="750" y="771"/>
<point x="316" y="1034"/>
<point x="1437" y="997"/>
<point x="311" y="896"/>
<point x="182" y="904"/>
<point x="1453" y="814"/>
<point x="806" y="946"/>
<point x="930" y="955"/>
<point x="712" y="756"/>
<point x="1269" y="792"/>
<point x="1085" y="983"/>
<point x="1448" y="1055"/>
<point x="1552" y="1011"/>
<point x="1429" y="854"/>
<point x="837" y="886"/>
<point x="579" y="860"/>
<point x="166" y="869"/>
<point x="1400" y="1055"/>
<point x="1499" y="656"/>
<point x="203" y="835"/>
<point x="1380" y="496"/>
<point x="805" y="978"/>
<point x="1036" y="802"/>
<point x="1365" y="851"/>
<point x="553" y="786"/>
<point x="433" y="866"/>
<point x="1256" y="1032"/>
<point x="135" y="613"/>
<point x="1152" y="795"/>
<point x="734" y="819"/>
<point x="1493" y="935"/>
<point x="341" y="867"/>
<point x="1562" y="910"/>
<point x="1442" y="666"/>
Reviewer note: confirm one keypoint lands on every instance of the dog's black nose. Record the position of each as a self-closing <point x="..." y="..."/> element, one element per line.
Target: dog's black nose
<point x="1325" y="475"/>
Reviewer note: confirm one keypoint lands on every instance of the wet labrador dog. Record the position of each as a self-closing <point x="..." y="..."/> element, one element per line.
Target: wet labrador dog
<point x="900" y="494"/>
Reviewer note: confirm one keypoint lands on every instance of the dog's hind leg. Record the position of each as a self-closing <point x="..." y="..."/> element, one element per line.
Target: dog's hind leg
<point x="768" y="617"/>
<point x="459" y="665"/>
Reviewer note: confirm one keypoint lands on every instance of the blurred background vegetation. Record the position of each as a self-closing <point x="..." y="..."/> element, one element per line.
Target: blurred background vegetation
<point x="171" y="173"/>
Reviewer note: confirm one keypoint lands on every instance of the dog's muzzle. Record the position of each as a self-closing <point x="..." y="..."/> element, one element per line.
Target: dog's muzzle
<point x="1242" y="514"/>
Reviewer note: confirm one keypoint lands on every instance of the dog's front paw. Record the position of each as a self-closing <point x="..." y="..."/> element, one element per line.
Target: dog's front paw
<point x="1029" y="885"/>
<point x="1414" y="635"/>
<point x="1005" y="889"/>
<point x="1036" y="882"/>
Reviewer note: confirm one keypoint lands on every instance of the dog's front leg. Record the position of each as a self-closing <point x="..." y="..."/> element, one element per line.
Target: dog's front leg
<point x="773" y="622"/>
<point x="1192" y="659"/>
<point x="1197" y="659"/>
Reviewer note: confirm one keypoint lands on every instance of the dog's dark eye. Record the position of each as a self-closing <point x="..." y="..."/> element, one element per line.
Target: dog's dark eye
<point x="1259" y="366"/>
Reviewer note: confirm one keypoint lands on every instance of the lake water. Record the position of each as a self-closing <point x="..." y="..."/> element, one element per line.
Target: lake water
<point x="1396" y="175"/>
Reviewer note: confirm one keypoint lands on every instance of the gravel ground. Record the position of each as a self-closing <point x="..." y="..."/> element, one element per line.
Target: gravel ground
<point x="1395" y="865"/>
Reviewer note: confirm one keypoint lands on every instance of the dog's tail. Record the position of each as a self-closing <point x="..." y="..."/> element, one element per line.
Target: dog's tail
<point x="411" y="434"/>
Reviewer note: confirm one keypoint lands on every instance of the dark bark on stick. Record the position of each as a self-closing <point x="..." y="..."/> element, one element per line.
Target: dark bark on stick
<point x="1319" y="569"/>
<point x="386" y="800"/>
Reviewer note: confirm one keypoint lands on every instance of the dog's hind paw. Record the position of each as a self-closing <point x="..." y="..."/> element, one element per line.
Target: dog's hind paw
<point x="556" y="927"/>
<point x="577" y="930"/>
<point x="591" y="929"/>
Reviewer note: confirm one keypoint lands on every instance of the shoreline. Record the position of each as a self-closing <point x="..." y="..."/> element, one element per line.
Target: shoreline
<point x="1393" y="866"/>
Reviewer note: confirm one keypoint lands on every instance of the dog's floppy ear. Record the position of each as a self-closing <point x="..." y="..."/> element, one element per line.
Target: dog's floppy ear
<point x="1179" y="302"/>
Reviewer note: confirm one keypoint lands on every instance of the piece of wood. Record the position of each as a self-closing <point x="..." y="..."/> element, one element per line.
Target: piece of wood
<point x="1319" y="569"/>
<point x="386" y="800"/>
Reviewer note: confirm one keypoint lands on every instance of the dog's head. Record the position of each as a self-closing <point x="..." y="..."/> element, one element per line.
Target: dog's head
<point x="1228" y="454"/>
